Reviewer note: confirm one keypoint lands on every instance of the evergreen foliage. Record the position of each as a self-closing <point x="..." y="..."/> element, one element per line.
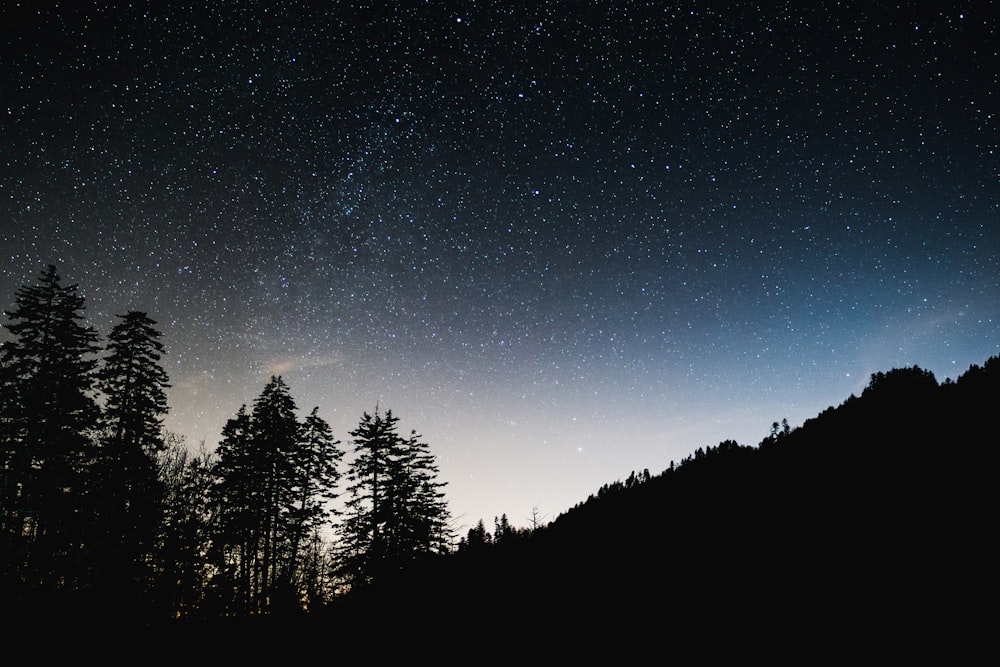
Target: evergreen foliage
<point x="859" y="508"/>
<point x="128" y="489"/>
<point x="395" y="510"/>
<point x="477" y="538"/>
<point x="274" y="476"/>
<point x="317" y="460"/>
<point x="49" y="418"/>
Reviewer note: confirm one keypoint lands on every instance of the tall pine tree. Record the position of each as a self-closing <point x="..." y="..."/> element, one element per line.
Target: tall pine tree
<point x="233" y="498"/>
<point x="130" y="498"/>
<point x="419" y="511"/>
<point x="275" y="436"/>
<point x="317" y="462"/>
<point x="274" y="475"/>
<point x="395" y="510"/>
<point x="49" y="418"/>
<point x="364" y="549"/>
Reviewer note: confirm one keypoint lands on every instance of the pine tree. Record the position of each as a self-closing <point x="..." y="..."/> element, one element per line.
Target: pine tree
<point x="503" y="532"/>
<point x="134" y="384"/>
<point x="317" y="462"/>
<point x="395" y="510"/>
<point x="476" y="539"/>
<point x="274" y="476"/>
<point x="363" y="540"/>
<point x="420" y="511"/>
<point x="233" y="497"/>
<point x="275" y="437"/>
<point x="49" y="418"/>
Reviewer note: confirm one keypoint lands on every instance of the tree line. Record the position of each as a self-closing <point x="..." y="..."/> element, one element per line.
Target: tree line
<point x="875" y="506"/>
<point x="101" y="505"/>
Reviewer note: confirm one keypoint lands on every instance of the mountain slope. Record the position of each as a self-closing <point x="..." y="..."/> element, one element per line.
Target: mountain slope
<point x="870" y="520"/>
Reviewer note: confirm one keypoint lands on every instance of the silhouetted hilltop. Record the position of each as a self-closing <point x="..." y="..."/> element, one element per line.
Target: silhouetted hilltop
<point x="867" y="529"/>
<point x="871" y="519"/>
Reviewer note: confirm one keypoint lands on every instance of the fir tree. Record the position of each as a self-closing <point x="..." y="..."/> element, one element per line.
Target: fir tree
<point x="395" y="508"/>
<point x="420" y="511"/>
<point x="233" y="497"/>
<point x="363" y="539"/>
<point x="49" y="419"/>
<point x="275" y="437"/>
<point x="317" y="460"/>
<point x="134" y="384"/>
<point x="274" y="476"/>
<point x="476" y="538"/>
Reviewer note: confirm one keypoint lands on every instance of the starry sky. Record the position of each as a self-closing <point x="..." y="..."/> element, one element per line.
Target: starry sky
<point x="561" y="240"/>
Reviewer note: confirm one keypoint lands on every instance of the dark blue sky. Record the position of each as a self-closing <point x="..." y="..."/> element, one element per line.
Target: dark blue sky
<point x="563" y="240"/>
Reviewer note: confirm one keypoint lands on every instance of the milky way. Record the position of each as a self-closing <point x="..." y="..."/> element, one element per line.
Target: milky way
<point x="562" y="240"/>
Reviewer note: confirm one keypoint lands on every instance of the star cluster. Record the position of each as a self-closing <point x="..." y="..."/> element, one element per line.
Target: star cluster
<point x="562" y="240"/>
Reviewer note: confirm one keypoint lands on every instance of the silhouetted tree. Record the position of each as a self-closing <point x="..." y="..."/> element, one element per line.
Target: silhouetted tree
<point x="419" y="511"/>
<point x="129" y="493"/>
<point x="535" y="519"/>
<point x="253" y="463"/>
<point x="476" y="538"/>
<point x="363" y="540"/>
<point x="316" y="459"/>
<point x="232" y="498"/>
<point x="274" y="476"/>
<point x="275" y="437"/>
<point x="49" y="417"/>
<point x="395" y="511"/>
<point x="502" y="530"/>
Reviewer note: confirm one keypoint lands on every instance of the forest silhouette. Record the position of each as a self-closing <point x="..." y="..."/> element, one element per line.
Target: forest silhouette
<point x="870" y="520"/>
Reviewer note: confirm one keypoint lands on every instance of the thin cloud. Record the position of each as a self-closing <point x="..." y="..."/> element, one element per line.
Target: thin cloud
<point x="301" y="362"/>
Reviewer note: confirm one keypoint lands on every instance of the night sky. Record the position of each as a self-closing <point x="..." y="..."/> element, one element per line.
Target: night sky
<point x="561" y="240"/>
